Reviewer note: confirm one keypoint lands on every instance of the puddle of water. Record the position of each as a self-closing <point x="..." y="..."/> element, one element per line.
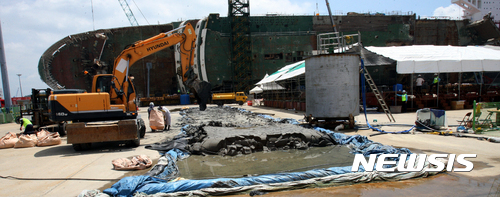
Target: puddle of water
<point x="260" y="163"/>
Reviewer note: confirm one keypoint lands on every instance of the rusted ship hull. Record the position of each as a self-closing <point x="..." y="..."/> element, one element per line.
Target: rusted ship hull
<point x="275" y="42"/>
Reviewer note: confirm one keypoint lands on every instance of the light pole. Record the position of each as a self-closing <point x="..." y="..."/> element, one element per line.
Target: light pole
<point x="20" y="87"/>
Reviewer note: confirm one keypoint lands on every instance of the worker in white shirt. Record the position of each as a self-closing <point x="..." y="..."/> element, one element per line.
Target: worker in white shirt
<point x="420" y="81"/>
<point x="166" y="116"/>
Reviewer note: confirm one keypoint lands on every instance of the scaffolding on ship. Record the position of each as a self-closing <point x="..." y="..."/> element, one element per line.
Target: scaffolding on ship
<point x="286" y="87"/>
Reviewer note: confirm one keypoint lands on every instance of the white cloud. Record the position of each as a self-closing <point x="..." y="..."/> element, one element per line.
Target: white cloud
<point x="261" y="7"/>
<point x="453" y="11"/>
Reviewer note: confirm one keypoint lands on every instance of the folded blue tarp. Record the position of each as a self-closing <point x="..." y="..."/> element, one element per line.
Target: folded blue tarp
<point x="150" y="185"/>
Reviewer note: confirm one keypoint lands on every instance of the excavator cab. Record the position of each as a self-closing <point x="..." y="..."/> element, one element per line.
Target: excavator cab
<point x="105" y="83"/>
<point x="102" y="83"/>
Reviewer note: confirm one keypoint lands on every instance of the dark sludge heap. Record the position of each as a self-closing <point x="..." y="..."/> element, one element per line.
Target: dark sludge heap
<point x="231" y="142"/>
<point x="229" y="132"/>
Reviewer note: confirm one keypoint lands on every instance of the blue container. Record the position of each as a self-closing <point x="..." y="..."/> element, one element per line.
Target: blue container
<point x="398" y="87"/>
<point x="185" y="99"/>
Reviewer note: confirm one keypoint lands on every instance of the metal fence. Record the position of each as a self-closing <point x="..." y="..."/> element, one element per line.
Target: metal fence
<point x="336" y="42"/>
<point x="8" y="116"/>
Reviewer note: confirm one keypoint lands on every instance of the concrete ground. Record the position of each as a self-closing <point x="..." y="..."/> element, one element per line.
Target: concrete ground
<point x="62" y="162"/>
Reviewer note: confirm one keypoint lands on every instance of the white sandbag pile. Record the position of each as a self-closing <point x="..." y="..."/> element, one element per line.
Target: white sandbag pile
<point x="9" y="140"/>
<point x="156" y="121"/>
<point x="46" y="138"/>
<point x="139" y="162"/>
<point x="41" y="138"/>
<point x="26" y="141"/>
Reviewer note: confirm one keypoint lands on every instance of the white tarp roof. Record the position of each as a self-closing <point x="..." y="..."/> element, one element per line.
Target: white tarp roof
<point x="271" y="86"/>
<point x="276" y="76"/>
<point x="265" y="87"/>
<point x="256" y="90"/>
<point x="298" y="69"/>
<point x="266" y="84"/>
<point x="441" y="59"/>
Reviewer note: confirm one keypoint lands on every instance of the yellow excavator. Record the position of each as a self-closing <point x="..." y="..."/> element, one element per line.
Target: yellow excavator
<point x="109" y="112"/>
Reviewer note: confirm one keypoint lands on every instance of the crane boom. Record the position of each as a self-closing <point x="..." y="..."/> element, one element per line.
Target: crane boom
<point x="128" y="12"/>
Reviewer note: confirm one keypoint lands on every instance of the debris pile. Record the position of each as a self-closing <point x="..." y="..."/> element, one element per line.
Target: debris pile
<point x="226" y="133"/>
<point x="229" y="131"/>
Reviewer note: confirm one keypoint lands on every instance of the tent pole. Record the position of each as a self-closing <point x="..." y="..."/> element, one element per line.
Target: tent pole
<point x="447" y="82"/>
<point x="459" y="83"/>
<point x="437" y="92"/>
<point x="412" y="90"/>
<point x="481" y="88"/>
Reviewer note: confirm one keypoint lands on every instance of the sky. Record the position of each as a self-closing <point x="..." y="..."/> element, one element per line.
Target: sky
<point x="30" y="27"/>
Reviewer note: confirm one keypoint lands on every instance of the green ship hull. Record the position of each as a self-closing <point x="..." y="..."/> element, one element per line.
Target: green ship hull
<point x="275" y="42"/>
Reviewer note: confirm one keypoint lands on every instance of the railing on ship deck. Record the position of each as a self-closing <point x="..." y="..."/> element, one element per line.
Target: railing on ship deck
<point x="336" y="42"/>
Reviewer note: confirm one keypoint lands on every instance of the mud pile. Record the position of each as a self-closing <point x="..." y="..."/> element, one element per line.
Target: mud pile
<point x="232" y="131"/>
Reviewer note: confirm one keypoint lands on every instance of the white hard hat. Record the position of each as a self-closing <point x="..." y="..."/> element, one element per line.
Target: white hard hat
<point x="151" y="104"/>
<point x="404" y="90"/>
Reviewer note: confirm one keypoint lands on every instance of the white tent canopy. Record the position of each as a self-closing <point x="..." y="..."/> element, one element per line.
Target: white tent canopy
<point x="298" y="69"/>
<point x="286" y="72"/>
<point x="256" y="90"/>
<point x="271" y="86"/>
<point x="441" y="59"/>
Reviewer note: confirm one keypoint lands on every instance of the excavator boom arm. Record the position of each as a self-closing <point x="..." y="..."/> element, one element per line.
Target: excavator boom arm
<point x="120" y="91"/>
<point x="152" y="45"/>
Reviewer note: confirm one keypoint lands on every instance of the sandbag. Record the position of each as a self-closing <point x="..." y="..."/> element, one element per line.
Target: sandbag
<point x="156" y="121"/>
<point x="9" y="140"/>
<point x="29" y="140"/>
<point x="46" y="138"/>
<point x="139" y="162"/>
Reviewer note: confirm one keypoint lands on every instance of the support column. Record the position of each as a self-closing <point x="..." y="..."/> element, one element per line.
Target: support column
<point x="5" y="75"/>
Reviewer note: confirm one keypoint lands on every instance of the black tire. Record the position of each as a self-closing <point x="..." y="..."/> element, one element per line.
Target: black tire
<point x="82" y="147"/>
<point x="142" y="128"/>
<point x="240" y="102"/>
<point x="61" y="129"/>
<point x="136" y="142"/>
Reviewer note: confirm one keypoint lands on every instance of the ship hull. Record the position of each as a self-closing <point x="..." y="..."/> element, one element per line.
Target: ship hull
<point x="276" y="41"/>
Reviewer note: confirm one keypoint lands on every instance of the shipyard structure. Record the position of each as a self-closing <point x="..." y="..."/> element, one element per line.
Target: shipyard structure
<point x="235" y="52"/>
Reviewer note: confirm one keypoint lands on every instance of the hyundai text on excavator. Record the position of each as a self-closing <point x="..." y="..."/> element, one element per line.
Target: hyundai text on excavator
<point x="113" y="96"/>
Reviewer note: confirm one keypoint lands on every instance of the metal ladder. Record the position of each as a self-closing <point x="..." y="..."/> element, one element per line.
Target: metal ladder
<point x="375" y="91"/>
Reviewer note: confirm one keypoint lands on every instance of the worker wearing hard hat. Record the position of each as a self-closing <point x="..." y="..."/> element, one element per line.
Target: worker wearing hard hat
<point x="435" y="82"/>
<point x="151" y="106"/>
<point x="404" y="99"/>
<point x="166" y="117"/>
<point x="28" y="126"/>
<point x="419" y="82"/>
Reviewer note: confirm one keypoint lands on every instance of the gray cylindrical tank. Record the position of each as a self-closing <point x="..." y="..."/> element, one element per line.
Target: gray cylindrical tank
<point x="332" y="86"/>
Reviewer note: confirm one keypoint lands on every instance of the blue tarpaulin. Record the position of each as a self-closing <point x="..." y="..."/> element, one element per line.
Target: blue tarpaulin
<point x="158" y="184"/>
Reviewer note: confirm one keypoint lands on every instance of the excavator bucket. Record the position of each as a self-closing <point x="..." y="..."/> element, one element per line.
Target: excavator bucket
<point x="202" y="91"/>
